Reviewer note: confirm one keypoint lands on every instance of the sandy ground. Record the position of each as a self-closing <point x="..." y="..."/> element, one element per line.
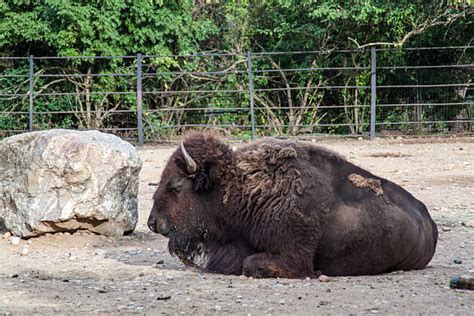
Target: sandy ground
<point x="92" y="274"/>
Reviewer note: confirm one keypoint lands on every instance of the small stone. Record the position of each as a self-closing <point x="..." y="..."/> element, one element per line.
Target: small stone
<point x="24" y="252"/>
<point x="446" y="229"/>
<point x="323" y="278"/>
<point x="468" y="224"/>
<point x="100" y="252"/>
<point x="7" y="235"/>
<point x="216" y="308"/>
<point x="15" y="240"/>
<point x="457" y="261"/>
<point x="463" y="282"/>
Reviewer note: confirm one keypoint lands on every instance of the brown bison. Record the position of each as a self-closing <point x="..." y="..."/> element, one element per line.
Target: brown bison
<point x="286" y="209"/>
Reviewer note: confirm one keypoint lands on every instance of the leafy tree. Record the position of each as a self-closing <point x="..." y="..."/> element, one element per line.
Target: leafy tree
<point x="287" y="101"/>
<point x="102" y="28"/>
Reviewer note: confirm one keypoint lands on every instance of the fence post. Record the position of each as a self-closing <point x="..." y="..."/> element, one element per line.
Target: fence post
<point x="139" y="100"/>
<point x="31" y="91"/>
<point x="373" y="91"/>
<point x="252" y="112"/>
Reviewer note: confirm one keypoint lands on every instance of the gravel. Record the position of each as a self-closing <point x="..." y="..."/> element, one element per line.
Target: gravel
<point x="136" y="275"/>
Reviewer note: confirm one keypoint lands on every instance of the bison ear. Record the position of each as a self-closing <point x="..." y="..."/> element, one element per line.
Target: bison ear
<point x="202" y="181"/>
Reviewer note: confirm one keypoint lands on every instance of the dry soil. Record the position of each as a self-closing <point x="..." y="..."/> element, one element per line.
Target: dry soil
<point x="84" y="273"/>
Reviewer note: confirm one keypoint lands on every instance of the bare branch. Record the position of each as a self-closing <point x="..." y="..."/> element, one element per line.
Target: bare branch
<point x="446" y="18"/>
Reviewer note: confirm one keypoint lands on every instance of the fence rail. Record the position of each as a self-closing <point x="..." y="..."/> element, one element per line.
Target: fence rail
<point x="242" y="94"/>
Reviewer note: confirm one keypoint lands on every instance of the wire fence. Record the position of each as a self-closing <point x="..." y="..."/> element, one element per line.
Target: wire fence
<point x="144" y="98"/>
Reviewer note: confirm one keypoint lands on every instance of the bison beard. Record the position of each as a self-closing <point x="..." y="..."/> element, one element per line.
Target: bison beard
<point x="286" y="209"/>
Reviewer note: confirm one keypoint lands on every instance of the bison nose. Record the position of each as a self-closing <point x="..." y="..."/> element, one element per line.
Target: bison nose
<point x="159" y="226"/>
<point x="152" y="225"/>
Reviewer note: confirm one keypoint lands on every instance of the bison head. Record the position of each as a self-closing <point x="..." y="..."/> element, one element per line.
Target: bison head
<point x="189" y="195"/>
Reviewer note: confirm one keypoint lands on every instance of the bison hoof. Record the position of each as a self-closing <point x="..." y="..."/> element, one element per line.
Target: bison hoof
<point x="260" y="266"/>
<point x="256" y="271"/>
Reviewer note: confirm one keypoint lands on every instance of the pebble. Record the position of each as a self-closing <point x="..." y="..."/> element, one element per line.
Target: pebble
<point x="468" y="224"/>
<point x="100" y="252"/>
<point x="457" y="261"/>
<point x="446" y="229"/>
<point x="323" y="278"/>
<point x="15" y="240"/>
<point x="216" y="308"/>
<point x="7" y="235"/>
<point x="24" y="252"/>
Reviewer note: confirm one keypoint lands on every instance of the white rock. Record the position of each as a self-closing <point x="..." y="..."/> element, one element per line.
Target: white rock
<point x="61" y="180"/>
<point x="6" y="235"/>
<point x="323" y="278"/>
<point x="15" y="240"/>
<point x="24" y="252"/>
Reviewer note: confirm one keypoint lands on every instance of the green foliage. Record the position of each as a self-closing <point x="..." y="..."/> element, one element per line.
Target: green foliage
<point x="165" y="28"/>
<point x="104" y="28"/>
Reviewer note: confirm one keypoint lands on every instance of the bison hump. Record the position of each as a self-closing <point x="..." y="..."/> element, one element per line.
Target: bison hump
<point x="267" y="177"/>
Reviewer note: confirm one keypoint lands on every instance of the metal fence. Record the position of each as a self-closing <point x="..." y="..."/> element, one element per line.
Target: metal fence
<point x="243" y="95"/>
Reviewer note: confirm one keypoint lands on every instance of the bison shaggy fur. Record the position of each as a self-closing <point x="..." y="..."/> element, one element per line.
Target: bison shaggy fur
<point x="283" y="208"/>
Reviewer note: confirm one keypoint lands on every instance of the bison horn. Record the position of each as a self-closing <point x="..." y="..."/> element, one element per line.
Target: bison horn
<point x="190" y="163"/>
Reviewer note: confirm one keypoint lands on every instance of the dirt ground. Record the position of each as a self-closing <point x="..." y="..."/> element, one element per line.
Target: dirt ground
<point x="92" y="274"/>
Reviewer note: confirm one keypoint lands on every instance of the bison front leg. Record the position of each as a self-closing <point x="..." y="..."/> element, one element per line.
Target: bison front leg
<point x="267" y="265"/>
<point x="228" y="258"/>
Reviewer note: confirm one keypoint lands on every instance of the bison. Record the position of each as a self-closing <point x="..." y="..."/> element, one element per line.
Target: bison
<point x="283" y="208"/>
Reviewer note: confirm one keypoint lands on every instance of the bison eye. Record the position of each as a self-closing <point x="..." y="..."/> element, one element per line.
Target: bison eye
<point x="175" y="186"/>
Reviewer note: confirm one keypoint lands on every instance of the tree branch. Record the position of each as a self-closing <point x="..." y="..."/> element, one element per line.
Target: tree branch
<point x="444" y="19"/>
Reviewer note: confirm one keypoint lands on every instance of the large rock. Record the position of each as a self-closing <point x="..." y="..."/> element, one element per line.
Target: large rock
<point x="61" y="180"/>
